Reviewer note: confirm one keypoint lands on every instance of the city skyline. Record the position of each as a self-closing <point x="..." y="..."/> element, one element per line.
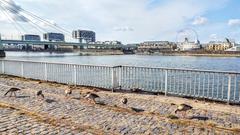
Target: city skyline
<point x="137" y="20"/>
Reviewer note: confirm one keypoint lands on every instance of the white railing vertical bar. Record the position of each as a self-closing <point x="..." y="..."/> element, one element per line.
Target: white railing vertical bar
<point x="136" y="76"/>
<point x="229" y="88"/>
<point x="75" y="74"/>
<point x="114" y="79"/>
<point x="223" y="87"/>
<point x="195" y="84"/>
<point x="22" y="69"/>
<point x="190" y="76"/>
<point x="178" y="83"/>
<point x="166" y="82"/>
<point x="3" y="66"/>
<point x="182" y="80"/>
<point x="204" y="80"/>
<point x="131" y="85"/>
<point x="199" y="85"/>
<point x="238" y="89"/>
<point x="208" y="86"/>
<point x="162" y="80"/>
<point x="146" y="78"/>
<point x="170" y="81"/>
<point x="213" y="84"/>
<point x="235" y="87"/>
<point x="90" y="75"/>
<point x="120" y="77"/>
<point x="45" y="72"/>
<point x="218" y="86"/>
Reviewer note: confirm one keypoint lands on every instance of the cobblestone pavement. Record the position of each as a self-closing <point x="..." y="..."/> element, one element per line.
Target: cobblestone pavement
<point x="58" y="115"/>
<point x="14" y="122"/>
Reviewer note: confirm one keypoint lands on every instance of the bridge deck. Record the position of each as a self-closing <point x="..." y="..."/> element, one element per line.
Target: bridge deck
<point x="63" y="43"/>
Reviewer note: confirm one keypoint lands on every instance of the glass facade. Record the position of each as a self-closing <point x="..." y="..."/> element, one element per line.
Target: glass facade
<point x="31" y="38"/>
<point x="86" y="35"/>
<point x="54" y="37"/>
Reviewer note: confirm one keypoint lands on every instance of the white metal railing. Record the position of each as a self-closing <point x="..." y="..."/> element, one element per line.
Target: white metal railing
<point x="213" y="85"/>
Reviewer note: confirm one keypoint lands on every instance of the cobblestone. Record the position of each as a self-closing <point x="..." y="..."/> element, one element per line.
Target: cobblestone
<point x="108" y="119"/>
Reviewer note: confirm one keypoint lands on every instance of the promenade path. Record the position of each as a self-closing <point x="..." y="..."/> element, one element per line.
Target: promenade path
<point x="56" y="114"/>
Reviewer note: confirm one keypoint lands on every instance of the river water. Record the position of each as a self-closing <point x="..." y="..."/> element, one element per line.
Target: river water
<point x="189" y="62"/>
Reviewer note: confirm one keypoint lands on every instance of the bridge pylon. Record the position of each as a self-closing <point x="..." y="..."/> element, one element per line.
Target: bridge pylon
<point x="2" y="52"/>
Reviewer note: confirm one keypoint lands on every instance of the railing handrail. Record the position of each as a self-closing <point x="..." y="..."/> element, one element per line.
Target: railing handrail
<point x="57" y="63"/>
<point x="182" y="69"/>
<point x="162" y="68"/>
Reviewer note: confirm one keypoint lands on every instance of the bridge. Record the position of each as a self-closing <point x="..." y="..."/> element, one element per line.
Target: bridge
<point x="8" y="8"/>
<point x="74" y="44"/>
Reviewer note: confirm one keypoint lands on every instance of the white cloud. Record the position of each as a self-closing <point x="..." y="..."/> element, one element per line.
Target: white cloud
<point x="200" y="21"/>
<point x="234" y="22"/>
<point x="12" y="11"/>
<point x="213" y="37"/>
<point x="123" y="29"/>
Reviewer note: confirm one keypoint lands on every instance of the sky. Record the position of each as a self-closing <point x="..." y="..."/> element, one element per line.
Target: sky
<point x="129" y="21"/>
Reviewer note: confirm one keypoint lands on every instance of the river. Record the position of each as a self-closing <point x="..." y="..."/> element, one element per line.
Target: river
<point x="189" y="62"/>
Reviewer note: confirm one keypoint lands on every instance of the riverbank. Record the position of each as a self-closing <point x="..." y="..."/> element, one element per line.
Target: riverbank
<point x="197" y="54"/>
<point x="95" y="52"/>
<point x="59" y="115"/>
<point x="119" y="52"/>
<point x="100" y="52"/>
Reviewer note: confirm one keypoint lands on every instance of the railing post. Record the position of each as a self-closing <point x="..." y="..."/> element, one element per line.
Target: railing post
<point x="229" y="88"/>
<point x="166" y="82"/>
<point x="3" y="67"/>
<point x="114" y="78"/>
<point x="45" y="71"/>
<point x="120" y="77"/>
<point x="22" y="69"/>
<point x="75" y="75"/>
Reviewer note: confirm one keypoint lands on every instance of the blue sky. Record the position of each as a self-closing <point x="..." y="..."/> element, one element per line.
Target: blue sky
<point x="133" y="21"/>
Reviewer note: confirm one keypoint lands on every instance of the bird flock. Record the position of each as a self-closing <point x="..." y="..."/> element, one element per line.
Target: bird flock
<point x="93" y="97"/>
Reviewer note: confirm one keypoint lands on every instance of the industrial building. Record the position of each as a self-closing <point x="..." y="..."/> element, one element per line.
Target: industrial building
<point x="86" y="35"/>
<point x="58" y="37"/>
<point x="29" y="37"/>
<point x="157" y="45"/>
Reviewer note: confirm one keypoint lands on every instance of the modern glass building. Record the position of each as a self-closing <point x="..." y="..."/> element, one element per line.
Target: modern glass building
<point x="54" y="37"/>
<point x="28" y="37"/>
<point x="88" y="36"/>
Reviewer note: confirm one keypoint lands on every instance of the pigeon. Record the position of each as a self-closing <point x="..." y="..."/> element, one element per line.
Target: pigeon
<point x="40" y="94"/>
<point x="68" y="91"/>
<point x="91" y="96"/>
<point x="183" y="108"/>
<point x="124" y="101"/>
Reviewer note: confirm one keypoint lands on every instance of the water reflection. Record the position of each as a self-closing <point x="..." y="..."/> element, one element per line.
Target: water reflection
<point x="190" y="62"/>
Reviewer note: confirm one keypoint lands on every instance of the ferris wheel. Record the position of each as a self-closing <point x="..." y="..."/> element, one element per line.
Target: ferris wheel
<point x="188" y="34"/>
